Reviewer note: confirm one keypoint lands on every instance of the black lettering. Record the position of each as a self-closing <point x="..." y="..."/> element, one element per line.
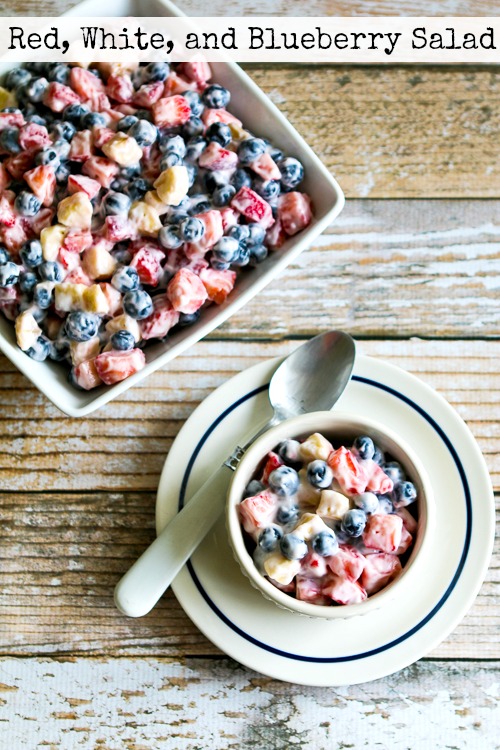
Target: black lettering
<point x="207" y="43"/>
<point x="89" y="34"/>
<point x="321" y="36"/>
<point x="157" y="40"/>
<point x="231" y="35"/>
<point x="192" y="41"/>
<point x="307" y="41"/>
<point x="341" y="41"/>
<point x="392" y="42"/>
<point x="16" y="32"/>
<point x="488" y="35"/>
<point x="256" y="37"/>
<point x="419" y="33"/>
<point x="357" y="35"/>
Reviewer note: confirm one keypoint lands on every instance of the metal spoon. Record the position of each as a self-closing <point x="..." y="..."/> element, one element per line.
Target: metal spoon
<point x="312" y="378"/>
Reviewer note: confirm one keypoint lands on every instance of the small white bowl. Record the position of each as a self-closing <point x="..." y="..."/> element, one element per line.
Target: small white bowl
<point x="341" y="429"/>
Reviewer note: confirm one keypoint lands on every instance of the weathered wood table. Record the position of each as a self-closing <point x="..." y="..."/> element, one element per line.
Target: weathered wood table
<point x="412" y="270"/>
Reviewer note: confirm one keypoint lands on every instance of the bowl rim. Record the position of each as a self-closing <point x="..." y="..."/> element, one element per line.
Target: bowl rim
<point x="328" y="422"/>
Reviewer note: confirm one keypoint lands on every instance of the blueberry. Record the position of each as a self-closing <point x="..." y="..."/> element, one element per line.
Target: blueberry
<point x="40" y="349"/>
<point x="132" y="170"/>
<point x="116" y="204"/>
<point x="170" y="160"/>
<point x="216" y="97"/>
<point x="325" y="543"/>
<point x="62" y="148"/>
<point x="269" y="538"/>
<point x="122" y="340"/>
<point x="48" y="155"/>
<point x="258" y="253"/>
<point x="58" y="350"/>
<point x="267" y="189"/>
<point x="195" y="147"/>
<point x="155" y="71"/>
<point x="193" y="127"/>
<point x="35" y="89"/>
<point x="9" y="140"/>
<point x="93" y="120"/>
<point x="27" y="204"/>
<point x="82" y="326"/>
<point x="220" y="133"/>
<point x="293" y="547"/>
<point x="240" y="232"/>
<point x="17" y="77"/>
<point x="243" y="257"/>
<point x="292" y="172"/>
<point x="51" y="271"/>
<point x="144" y="114"/>
<point x="74" y="113"/>
<point x="192" y="229"/>
<point x="4" y="254"/>
<point x="61" y="129"/>
<point x="122" y="254"/>
<point x="275" y="154"/>
<point x="226" y="249"/>
<point x="222" y="196"/>
<point x="189" y="319"/>
<point x="27" y="281"/>
<point x="378" y="456"/>
<point x="36" y="67"/>
<point x="172" y="144"/>
<point x="126" y="123"/>
<point x="287" y="514"/>
<point x="241" y="178"/>
<point x="254" y="487"/>
<point x="9" y="274"/>
<point x="170" y="237"/>
<point x="319" y="474"/>
<point x="284" y="480"/>
<point x="250" y="149"/>
<point x="404" y="494"/>
<point x="289" y="451"/>
<point x="214" y="180"/>
<point x="144" y="132"/>
<point x="126" y="279"/>
<point x="354" y="522"/>
<point x="137" y="188"/>
<point x="364" y="447"/>
<point x="256" y="234"/>
<point x="394" y="471"/>
<point x="194" y="101"/>
<point x="37" y="119"/>
<point x="58" y="72"/>
<point x="62" y="174"/>
<point x="367" y="501"/>
<point x="192" y="171"/>
<point x="138" y="304"/>
<point x="43" y="294"/>
<point x="199" y="204"/>
<point x="385" y="504"/>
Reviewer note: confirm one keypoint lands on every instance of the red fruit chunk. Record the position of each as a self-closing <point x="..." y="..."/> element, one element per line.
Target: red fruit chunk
<point x="294" y="210"/>
<point x="114" y="366"/>
<point x="68" y="259"/>
<point x="265" y="166"/>
<point x="347" y="471"/>
<point x="409" y="521"/>
<point x="148" y="94"/>
<point x="210" y="116"/>
<point x="41" y="220"/>
<point x="216" y="158"/>
<point x="348" y="562"/>
<point x="19" y="164"/>
<point x="100" y="136"/>
<point x="198" y="71"/>
<point x="7" y="215"/>
<point x="258" y="511"/>
<point x="176" y="84"/>
<point x="42" y="182"/>
<point x="117" y="229"/>
<point x="84" y="82"/>
<point x="13" y="237"/>
<point x="86" y="375"/>
<point x="161" y="320"/>
<point x="171" y="111"/>
<point x="101" y="169"/>
<point x="78" y="183"/>
<point x="272" y="463"/>
<point x="186" y="291"/>
<point x="4" y="178"/>
<point x="81" y="146"/>
<point x="147" y="262"/>
<point x="406" y="541"/>
<point x="253" y="207"/>
<point x="11" y="120"/>
<point x="383" y="532"/>
<point x="310" y="590"/>
<point x="379" y="570"/>
<point x="218" y="283"/>
<point x="378" y="480"/>
<point x="344" y="591"/>
<point x="57" y="96"/>
<point x="120" y="88"/>
<point x="113" y="297"/>
<point x="213" y="232"/>
<point x="33" y="137"/>
<point x="229" y="218"/>
<point x="77" y="275"/>
<point x="97" y="101"/>
<point x="275" y="236"/>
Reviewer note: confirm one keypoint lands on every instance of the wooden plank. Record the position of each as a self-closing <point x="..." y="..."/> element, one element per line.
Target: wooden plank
<point x="144" y="704"/>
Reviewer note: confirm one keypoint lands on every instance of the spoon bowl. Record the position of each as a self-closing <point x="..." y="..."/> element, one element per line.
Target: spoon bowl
<point x="311" y="378"/>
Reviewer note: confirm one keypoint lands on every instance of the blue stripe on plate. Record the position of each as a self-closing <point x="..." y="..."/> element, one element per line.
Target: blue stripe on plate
<point x="407" y="634"/>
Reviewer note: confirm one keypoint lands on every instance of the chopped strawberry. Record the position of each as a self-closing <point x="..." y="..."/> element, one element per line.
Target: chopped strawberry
<point x="42" y="181"/>
<point x="113" y="297"/>
<point x="97" y="101"/>
<point x="344" y="591"/>
<point x="147" y="263"/>
<point x="19" y="164"/>
<point x="383" y="532"/>
<point x="77" y="275"/>
<point x="406" y="541"/>
<point x="218" y="283"/>
<point x="210" y="116"/>
<point x="216" y="158"/>
<point x="265" y="166"/>
<point x="176" y="84"/>
<point x="229" y="218"/>
<point x="77" y="240"/>
<point x="78" y="183"/>
<point x="13" y="237"/>
<point x="148" y="94"/>
<point x="58" y="96"/>
<point x="120" y="88"/>
<point x="213" y="232"/>
<point x="409" y="521"/>
<point x="275" y="236"/>
<point x="171" y="112"/>
<point x="42" y="219"/>
<point x="68" y="259"/>
<point x="258" y="511"/>
<point x="86" y="376"/>
<point x="81" y="146"/>
<point x="347" y="562"/>
<point x="100" y="136"/>
<point x="379" y="570"/>
<point x="378" y="481"/>
<point x="198" y="71"/>
<point x="33" y="137"/>
<point x="118" y="229"/>
<point x="161" y="320"/>
<point x="7" y="214"/>
<point x="272" y="463"/>
<point x="11" y="120"/>
<point x="4" y="178"/>
<point x="84" y="82"/>
<point x="114" y="366"/>
<point x="186" y="291"/>
<point x="253" y="207"/>
<point x="101" y="169"/>
<point x="294" y="210"/>
<point x="310" y="590"/>
<point x="347" y="471"/>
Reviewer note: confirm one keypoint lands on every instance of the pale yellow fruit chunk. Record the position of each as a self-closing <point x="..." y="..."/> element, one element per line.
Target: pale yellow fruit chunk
<point x="316" y="446"/>
<point x="75" y="211"/>
<point x="95" y="301"/>
<point x="153" y="199"/>
<point x="51" y="239"/>
<point x="123" y="149"/>
<point x="332" y="504"/>
<point x="81" y="351"/>
<point x="69" y="297"/>
<point x="124" y="323"/>
<point x="27" y="330"/>
<point x="145" y="218"/>
<point x="310" y="525"/>
<point x="280" y="569"/>
<point x="7" y="99"/>
<point x="98" y="263"/>
<point x="172" y="185"/>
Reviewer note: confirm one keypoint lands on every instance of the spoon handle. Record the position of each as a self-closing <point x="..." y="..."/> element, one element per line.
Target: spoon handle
<point x="141" y="587"/>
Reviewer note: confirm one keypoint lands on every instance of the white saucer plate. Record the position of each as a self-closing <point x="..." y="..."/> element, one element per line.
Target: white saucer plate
<point x="236" y="618"/>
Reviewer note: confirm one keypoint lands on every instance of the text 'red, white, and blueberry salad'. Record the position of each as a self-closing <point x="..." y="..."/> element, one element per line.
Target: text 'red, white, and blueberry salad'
<point x="129" y="199"/>
<point x="329" y="526"/>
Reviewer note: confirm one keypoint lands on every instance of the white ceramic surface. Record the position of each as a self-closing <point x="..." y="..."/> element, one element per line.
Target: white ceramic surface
<point x="259" y="115"/>
<point x="233" y="615"/>
<point x="336" y="426"/>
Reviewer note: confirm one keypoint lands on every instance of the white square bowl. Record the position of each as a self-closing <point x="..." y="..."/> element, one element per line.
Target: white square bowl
<point x="260" y="116"/>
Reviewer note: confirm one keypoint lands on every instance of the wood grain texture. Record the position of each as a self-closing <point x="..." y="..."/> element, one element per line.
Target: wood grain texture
<point x="144" y="704"/>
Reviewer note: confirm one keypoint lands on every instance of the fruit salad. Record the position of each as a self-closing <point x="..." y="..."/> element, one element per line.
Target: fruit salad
<point x="130" y="200"/>
<point x="329" y="525"/>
